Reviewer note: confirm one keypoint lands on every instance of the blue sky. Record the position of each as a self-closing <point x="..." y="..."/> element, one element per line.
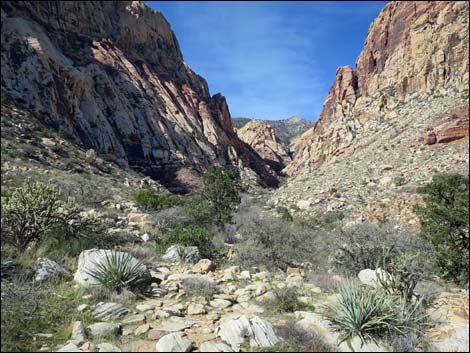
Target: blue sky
<point x="271" y="60"/>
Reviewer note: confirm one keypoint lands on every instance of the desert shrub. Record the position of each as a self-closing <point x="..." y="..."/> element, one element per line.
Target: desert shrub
<point x="362" y="246"/>
<point x="402" y="275"/>
<point x="145" y="253"/>
<point x="332" y="217"/>
<point x="272" y="243"/>
<point x="199" y="288"/>
<point x="399" y="181"/>
<point x="150" y="200"/>
<point x="286" y="301"/>
<point x="32" y="211"/>
<point x="371" y="314"/>
<point x="119" y="271"/>
<point x="29" y="308"/>
<point x="445" y="223"/>
<point x="221" y="190"/>
<point x="327" y="282"/>
<point x="366" y="245"/>
<point x="428" y="291"/>
<point x="298" y="339"/>
<point x="188" y="236"/>
<point x="171" y="217"/>
<point x="408" y="341"/>
<point x="200" y="210"/>
<point x="285" y="214"/>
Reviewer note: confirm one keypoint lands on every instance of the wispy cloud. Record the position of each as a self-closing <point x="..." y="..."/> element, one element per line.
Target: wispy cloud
<point x="262" y="56"/>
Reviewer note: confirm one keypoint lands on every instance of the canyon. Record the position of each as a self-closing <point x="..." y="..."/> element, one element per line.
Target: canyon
<point x="100" y="109"/>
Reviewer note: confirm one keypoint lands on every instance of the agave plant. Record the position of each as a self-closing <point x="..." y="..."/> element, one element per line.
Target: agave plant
<point x="370" y="314"/>
<point x="119" y="271"/>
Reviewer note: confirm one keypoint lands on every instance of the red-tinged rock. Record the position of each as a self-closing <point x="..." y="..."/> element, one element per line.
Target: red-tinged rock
<point x="453" y="131"/>
<point x="430" y="138"/>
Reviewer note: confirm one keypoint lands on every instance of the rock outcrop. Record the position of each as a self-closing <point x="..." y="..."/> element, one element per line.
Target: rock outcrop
<point x="414" y="52"/>
<point x="262" y="137"/>
<point x="110" y="75"/>
<point x="287" y="130"/>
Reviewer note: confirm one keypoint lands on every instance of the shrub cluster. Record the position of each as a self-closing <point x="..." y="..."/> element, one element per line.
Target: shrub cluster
<point x="32" y="212"/>
<point x="188" y="236"/>
<point x="150" y="200"/>
<point x="445" y="223"/>
<point x="286" y="301"/>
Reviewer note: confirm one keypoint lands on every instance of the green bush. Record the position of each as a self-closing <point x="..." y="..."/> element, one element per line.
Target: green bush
<point x="150" y="200"/>
<point x="200" y="210"/>
<point x="371" y="314"/>
<point x="119" y="271"/>
<point x="399" y="181"/>
<point x="189" y="236"/>
<point x="445" y="223"/>
<point x="221" y="190"/>
<point x="285" y="214"/>
<point x="30" y="213"/>
<point x="286" y="301"/>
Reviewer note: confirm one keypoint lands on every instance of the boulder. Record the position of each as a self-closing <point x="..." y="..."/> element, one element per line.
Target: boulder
<point x="452" y="131"/>
<point x="108" y="347"/>
<point x="141" y="220"/>
<point x="78" y="333"/>
<point x="260" y="332"/>
<point x="430" y="138"/>
<point x="220" y="303"/>
<point x="174" y="342"/>
<point x="370" y="277"/>
<point x="89" y="259"/>
<point x="204" y="266"/>
<point x="263" y="333"/>
<point x="71" y="347"/>
<point x="215" y="347"/>
<point x="104" y="329"/>
<point x="177" y="254"/>
<point x="304" y="204"/>
<point x="196" y="309"/>
<point x="107" y="311"/>
<point x="47" y="269"/>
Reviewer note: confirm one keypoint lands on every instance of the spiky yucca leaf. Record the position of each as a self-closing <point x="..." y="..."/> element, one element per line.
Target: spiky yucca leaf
<point x="370" y="314"/>
<point x="119" y="271"/>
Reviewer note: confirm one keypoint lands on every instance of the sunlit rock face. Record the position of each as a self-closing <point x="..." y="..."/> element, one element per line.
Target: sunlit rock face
<point x="111" y="76"/>
<point x="414" y="52"/>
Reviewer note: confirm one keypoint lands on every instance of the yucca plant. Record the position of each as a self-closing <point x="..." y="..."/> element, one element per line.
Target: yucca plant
<point x="370" y="314"/>
<point x="119" y="271"/>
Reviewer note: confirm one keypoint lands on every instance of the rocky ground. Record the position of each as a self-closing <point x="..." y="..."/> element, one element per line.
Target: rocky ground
<point x="172" y="318"/>
<point x="377" y="178"/>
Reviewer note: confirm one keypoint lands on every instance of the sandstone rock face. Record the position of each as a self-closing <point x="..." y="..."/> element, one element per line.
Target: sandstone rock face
<point x="262" y="137"/>
<point x="287" y="130"/>
<point x="111" y="76"/>
<point x="414" y="52"/>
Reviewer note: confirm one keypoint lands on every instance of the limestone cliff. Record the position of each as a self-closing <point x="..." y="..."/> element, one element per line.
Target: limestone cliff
<point x="262" y="137"/>
<point x="111" y="76"/>
<point x="415" y="52"/>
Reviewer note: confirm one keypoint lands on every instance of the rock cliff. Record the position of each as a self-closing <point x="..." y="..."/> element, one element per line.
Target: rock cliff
<point x="287" y="130"/>
<point x="110" y="75"/>
<point x="414" y="52"/>
<point x="262" y="137"/>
